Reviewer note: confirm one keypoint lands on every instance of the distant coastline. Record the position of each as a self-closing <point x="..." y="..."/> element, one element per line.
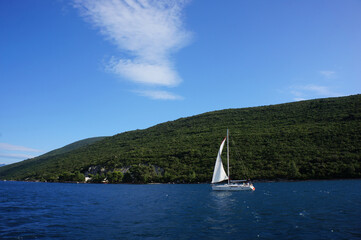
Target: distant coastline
<point x="177" y="183"/>
<point x="306" y="140"/>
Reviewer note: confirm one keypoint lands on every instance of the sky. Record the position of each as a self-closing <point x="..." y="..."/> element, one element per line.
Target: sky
<point x="71" y="70"/>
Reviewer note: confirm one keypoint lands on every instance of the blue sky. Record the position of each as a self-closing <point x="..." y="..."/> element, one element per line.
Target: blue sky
<point x="71" y="70"/>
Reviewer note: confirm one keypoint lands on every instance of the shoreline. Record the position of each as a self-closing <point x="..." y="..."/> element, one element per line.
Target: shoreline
<point x="253" y="181"/>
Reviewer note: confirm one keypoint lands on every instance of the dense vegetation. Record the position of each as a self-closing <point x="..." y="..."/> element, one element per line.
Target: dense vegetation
<point x="315" y="139"/>
<point x="73" y="146"/>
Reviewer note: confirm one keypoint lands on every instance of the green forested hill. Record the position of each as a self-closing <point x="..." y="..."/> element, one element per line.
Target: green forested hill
<point x="315" y="139"/>
<point x="17" y="168"/>
<point x="72" y="146"/>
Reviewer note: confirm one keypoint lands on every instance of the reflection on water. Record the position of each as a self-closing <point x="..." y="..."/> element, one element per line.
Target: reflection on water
<point x="220" y="200"/>
<point x="230" y="212"/>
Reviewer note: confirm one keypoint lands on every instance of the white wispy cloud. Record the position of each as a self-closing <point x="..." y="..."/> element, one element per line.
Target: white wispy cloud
<point x="159" y="95"/>
<point x="303" y="92"/>
<point x="328" y="74"/>
<point x="317" y="89"/>
<point x="145" y="73"/>
<point x="10" y="147"/>
<point x="16" y="155"/>
<point x="10" y="153"/>
<point x="146" y="31"/>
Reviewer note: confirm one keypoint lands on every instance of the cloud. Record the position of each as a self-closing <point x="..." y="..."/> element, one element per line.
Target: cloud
<point x="146" y="73"/>
<point x="16" y="155"/>
<point x="159" y="95"/>
<point x="316" y="89"/>
<point x="9" y="147"/>
<point x="303" y="92"/>
<point x="12" y="153"/>
<point x="147" y="32"/>
<point x="328" y="74"/>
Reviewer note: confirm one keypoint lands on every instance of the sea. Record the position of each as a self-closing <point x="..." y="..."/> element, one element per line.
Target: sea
<point x="275" y="210"/>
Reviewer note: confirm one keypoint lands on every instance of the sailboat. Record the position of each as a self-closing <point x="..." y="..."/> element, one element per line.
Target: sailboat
<point x="219" y="175"/>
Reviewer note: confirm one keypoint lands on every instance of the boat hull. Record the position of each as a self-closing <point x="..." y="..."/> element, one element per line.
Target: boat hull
<point x="233" y="187"/>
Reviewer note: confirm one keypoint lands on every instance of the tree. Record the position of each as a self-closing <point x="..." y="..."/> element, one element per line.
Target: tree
<point x="127" y="177"/>
<point x="98" y="178"/>
<point x="115" y="177"/>
<point x="293" y="170"/>
<point x="78" y="177"/>
<point x="66" y="177"/>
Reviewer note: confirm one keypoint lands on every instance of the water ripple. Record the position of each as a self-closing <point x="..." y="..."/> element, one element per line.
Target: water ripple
<point x="298" y="210"/>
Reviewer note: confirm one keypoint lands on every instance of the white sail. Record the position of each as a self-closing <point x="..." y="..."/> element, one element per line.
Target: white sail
<point x="219" y="174"/>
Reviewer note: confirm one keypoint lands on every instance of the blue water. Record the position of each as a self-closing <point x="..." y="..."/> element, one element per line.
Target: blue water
<point x="281" y="210"/>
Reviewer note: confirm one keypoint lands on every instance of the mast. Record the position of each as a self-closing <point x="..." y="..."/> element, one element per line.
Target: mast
<point x="228" y="154"/>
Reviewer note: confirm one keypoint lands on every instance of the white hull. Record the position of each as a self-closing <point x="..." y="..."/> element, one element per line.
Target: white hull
<point x="233" y="187"/>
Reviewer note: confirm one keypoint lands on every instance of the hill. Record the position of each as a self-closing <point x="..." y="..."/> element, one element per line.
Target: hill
<point x="314" y="139"/>
<point x="8" y="170"/>
<point x="71" y="147"/>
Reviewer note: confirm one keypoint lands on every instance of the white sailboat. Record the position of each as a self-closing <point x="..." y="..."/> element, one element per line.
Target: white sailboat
<point x="220" y="175"/>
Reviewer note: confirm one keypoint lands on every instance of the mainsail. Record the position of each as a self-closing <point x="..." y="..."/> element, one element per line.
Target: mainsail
<point x="219" y="174"/>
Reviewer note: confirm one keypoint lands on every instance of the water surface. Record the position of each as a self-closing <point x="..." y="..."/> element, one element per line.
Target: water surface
<point x="280" y="210"/>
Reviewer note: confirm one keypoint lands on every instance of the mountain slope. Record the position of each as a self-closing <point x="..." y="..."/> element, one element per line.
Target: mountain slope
<point x="318" y="138"/>
<point x="34" y="162"/>
<point x="72" y="146"/>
